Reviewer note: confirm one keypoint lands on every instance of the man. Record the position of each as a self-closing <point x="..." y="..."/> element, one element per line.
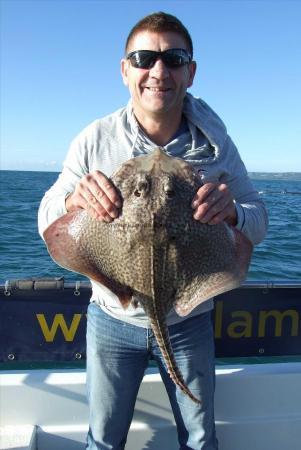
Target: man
<point x="158" y="68"/>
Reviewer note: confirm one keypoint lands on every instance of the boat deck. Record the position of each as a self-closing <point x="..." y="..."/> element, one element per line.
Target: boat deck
<point x="257" y="408"/>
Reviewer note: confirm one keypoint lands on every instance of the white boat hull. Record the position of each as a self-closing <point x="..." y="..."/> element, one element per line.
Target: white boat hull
<point x="257" y="408"/>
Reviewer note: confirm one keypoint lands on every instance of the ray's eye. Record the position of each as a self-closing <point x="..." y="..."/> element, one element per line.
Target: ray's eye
<point x="169" y="188"/>
<point x="142" y="188"/>
<point x="170" y="193"/>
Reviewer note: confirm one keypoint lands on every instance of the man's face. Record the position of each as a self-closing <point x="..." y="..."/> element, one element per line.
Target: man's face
<point x="159" y="90"/>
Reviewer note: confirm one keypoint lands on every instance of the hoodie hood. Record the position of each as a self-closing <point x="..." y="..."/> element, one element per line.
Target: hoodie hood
<point x="206" y="120"/>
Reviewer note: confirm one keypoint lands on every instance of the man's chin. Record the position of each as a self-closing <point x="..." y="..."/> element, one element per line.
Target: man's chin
<point x="158" y="107"/>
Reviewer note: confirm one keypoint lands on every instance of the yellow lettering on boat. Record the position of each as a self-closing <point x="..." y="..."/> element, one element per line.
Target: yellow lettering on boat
<point x="278" y="316"/>
<point x="218" y="320"/>
<point x="50" y="332"/>
<point x="241" y="328"/>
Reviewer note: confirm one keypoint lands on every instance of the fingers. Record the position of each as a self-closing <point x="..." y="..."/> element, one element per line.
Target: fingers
<point x="213" y="203"/>
<point x="106" y="190"/>
<point x="203" y="193"/>
<point x="102" y="197"/>
<point x="97" y="195"/>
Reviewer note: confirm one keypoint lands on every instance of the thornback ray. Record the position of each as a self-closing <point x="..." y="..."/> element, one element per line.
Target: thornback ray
<point x="155" y="252"/>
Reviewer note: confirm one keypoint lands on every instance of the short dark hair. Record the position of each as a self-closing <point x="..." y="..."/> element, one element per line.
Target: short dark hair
<point x="160" y="22"/>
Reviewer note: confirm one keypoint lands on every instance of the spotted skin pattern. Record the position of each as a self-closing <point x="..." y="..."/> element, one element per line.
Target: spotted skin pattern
<point x="155" y="253"/>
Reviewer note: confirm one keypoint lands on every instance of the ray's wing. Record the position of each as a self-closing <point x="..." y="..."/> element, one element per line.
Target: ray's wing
<point x="62" y="238"/>
<point x="215" y="260"/>
<point x="110" y="254"/>
<point x="66" y="243"/>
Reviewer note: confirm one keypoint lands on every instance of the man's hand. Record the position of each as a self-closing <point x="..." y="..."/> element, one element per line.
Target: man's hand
<point x="97" y="195"/>
<point x="213" y="203"/>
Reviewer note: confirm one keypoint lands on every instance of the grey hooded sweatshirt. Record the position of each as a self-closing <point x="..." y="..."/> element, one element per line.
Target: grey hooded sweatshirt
<point x="202" y="140"/>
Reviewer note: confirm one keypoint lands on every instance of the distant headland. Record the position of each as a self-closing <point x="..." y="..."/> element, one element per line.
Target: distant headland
<point x="288" y="176"/>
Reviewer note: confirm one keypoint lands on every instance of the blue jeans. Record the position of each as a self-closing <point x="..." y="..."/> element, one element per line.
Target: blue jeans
<point x="117" y="356"/>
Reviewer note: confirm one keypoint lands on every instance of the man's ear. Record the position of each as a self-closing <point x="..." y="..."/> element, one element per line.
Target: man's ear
<point x="192" y="71"/>
<point x="124" y="66"/>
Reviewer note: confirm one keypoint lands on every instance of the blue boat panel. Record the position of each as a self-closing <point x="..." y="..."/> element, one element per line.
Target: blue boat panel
<point x="45" y="321"/>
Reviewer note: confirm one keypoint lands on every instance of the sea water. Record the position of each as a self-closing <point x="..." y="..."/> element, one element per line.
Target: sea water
<point x="23" y="253"/>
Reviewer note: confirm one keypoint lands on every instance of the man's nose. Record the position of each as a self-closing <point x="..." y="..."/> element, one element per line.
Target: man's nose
<point x="159" y="70"/>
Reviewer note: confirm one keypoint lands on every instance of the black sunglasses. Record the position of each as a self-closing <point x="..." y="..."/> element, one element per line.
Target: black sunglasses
<point x="172" y="58"/>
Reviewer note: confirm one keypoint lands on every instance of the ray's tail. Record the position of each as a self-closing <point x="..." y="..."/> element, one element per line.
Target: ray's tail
<point x="159" y="327"/>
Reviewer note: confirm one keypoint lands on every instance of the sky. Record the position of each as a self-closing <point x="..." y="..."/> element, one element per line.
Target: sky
<point x="60" y="70"/>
